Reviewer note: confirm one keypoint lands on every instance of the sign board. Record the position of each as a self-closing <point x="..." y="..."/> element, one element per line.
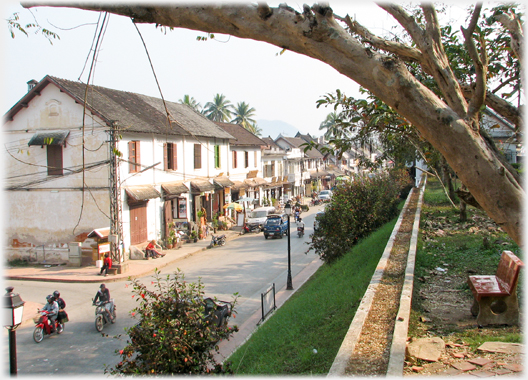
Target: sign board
<point x="104" y="248"/>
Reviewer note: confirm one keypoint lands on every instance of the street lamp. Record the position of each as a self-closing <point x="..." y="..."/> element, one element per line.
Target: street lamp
<point x="14" y="309"/>
<point x="288" y="211"/>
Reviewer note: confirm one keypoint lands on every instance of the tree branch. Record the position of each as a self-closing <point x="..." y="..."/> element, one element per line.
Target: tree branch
<point x="513" y="25"/>
<point x="481" y="67"/>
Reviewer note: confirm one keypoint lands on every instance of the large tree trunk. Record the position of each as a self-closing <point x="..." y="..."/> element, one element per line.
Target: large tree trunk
<point x="316" y="33"/>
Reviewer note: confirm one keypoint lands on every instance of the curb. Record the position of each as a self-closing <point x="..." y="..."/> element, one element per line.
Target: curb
<point x="341" y="360"/>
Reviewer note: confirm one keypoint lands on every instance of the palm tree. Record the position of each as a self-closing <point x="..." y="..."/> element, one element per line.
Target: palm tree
<point x="330" y="124"/>
<point x="191" y="102"/>
<point x="219" y="109"/>
<point x="243" y="116"/>
<point x="253" y="128"/>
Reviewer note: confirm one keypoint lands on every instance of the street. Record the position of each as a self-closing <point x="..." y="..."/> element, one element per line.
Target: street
<point x="247" y="265"/>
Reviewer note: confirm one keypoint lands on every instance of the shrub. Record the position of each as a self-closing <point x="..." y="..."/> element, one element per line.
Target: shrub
<point x="174" y="335"/>
<point x="356" y="209"/>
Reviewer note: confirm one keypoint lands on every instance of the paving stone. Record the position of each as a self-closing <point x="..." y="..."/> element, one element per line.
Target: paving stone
<point x="480" y="361"/>
<point x="505" y="348"/>
<point x="451" y="372"/>
<point x="464" y="366"/>
<point x="482" y="373"/>
<point x="433" y="367"/>
<point x="489" y="365"/>
<point x="514" y="367"/>
<point x="429" y="349"/>
<point x="459" y="355"/>
<point x="416" y="368"/>
<point x="501" y="371"/>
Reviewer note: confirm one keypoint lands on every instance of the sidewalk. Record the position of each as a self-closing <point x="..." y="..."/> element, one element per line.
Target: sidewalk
<point x="136" y="268"/>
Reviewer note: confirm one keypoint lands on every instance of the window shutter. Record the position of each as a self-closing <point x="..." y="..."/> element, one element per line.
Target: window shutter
<point x="197" y="156"/>
<point x="138" y="156"/>
<point x="131" y="156"/>
<point x="165" y="157"/>
<point x="54" y="153"/>
<point x="174" y="159"/>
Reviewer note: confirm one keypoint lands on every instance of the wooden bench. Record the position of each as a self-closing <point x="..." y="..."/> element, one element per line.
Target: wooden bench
<point x="495" y="297"/>
<point x="112" y="271"/>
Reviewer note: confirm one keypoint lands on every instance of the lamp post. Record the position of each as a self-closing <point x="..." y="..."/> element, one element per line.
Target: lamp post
<point x="14" y="309"/>
<point x="288" y="211"/>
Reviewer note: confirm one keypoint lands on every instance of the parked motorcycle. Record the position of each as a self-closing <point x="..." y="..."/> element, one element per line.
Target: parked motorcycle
<point x="217" y="240"/>
<point x="43" y="327"/>
<point x="251" y="228"/>
<point x="300" y="232"/>
<point x="101" y="316"/>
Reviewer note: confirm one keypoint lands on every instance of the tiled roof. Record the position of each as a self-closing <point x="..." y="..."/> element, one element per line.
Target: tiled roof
<point x="133" y="112"/>
<point x="241" y="134"/>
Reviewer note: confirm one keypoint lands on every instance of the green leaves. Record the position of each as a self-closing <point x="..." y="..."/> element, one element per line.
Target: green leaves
<point x="357" y="208"/>
<point x="14" y="25"/>
<point x="173" y="333"/>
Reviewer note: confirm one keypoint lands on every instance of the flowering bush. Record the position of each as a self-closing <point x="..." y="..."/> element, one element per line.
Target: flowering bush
<point x="357" y="208"/>
<point x="174" y="334"/>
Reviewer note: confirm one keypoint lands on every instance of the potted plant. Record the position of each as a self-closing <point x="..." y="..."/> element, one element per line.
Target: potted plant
<point x="215" y="224"/>
<point x="170" y="242"/>
<point x="194" y="236"/>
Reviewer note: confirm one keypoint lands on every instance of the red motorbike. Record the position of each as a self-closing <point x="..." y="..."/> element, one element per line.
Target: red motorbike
<point x="43" y="326"/>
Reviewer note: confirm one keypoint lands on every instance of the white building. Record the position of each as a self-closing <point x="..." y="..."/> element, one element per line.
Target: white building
<point x="122" y="160"/>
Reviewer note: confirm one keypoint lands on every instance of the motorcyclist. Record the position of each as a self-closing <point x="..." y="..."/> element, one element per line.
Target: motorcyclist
<point x="300" y="225"/>
<point x="103" y="295"/>
<point x="61" y="303"/>
<point x="53" y="310"/>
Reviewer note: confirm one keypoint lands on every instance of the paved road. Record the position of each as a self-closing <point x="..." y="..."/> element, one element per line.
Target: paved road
<point x="247" y="265"/>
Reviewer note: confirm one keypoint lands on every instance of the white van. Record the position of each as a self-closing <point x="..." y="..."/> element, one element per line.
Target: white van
<point x="259" y="215"/>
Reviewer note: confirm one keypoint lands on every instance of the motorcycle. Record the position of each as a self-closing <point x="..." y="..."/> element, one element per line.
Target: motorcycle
<point x="43" y="326"/>
<point x="217" y="240"/>
<point x="300" y="231"/>
<point x="101" y="316"/>
<point x="251" y="228"/>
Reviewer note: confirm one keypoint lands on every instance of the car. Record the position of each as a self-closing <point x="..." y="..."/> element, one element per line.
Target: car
<point x="276" y="225"/>
<point x="258" y="216"/>
<point x="325" y="195"/>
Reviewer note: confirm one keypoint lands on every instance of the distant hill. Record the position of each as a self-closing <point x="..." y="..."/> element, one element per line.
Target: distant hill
<point x="273" y="128"/>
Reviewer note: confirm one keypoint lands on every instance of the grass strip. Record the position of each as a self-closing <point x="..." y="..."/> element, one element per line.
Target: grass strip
<point x="304" y="335"/>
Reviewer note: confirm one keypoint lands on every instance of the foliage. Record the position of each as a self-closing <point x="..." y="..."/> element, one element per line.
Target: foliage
<point x="303" y="336"/>
<point x="172" y="336"/>
<point x="244" y="116"/>
<point x="191" y="102"/>
<point x="14" y="25"/>
<point x="356" y="209"/>
<point x="219" y="109"/>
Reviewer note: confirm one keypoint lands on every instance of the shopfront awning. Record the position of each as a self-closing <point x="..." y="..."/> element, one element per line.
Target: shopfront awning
<point x="260" y="181"/>
<point x="319" y="174"/>
<point x="199" y="186"/>
<point x="174" y="188"/>
<point x="223" y="181"/>
<point x="49" y="138"/>
<point x="100" y="233"/>
<point x="237" y="185"/>
<point x="142" y="193"/>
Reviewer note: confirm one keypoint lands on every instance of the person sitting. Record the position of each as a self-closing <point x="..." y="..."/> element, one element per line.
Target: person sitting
<point x="53" y="311"/>
<point x="103" y="295"/>
<point x="300" y="224"/>
<point x="61" y="316"/>
<point x="107" y="264"/>
<point x="151" y="250"/>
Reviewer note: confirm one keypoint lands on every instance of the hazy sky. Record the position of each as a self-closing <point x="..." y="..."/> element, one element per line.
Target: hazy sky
<point x="279" y="87"/>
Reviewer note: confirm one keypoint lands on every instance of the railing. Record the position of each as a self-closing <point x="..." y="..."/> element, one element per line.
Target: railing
<point x="267" y="300"/>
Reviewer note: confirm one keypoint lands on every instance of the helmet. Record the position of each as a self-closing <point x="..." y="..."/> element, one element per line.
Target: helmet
<point x="56" y="294"/>
<point x="49" y="297"/>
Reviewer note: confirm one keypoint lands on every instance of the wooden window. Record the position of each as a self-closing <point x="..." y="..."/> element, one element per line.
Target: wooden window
<point x="217" y="156"/>
<point x="246" y="159"/>
<point x="54" y="153"/>
<point x="255" y="157"/>
<point x="197" y="156"/>
<point x="169" y="156"/>
<point x="234" y="159"/>
<point x="133" y="157"/>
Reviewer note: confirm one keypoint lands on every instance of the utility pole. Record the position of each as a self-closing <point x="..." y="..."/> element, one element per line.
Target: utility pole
<point x="116" y="225"/>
